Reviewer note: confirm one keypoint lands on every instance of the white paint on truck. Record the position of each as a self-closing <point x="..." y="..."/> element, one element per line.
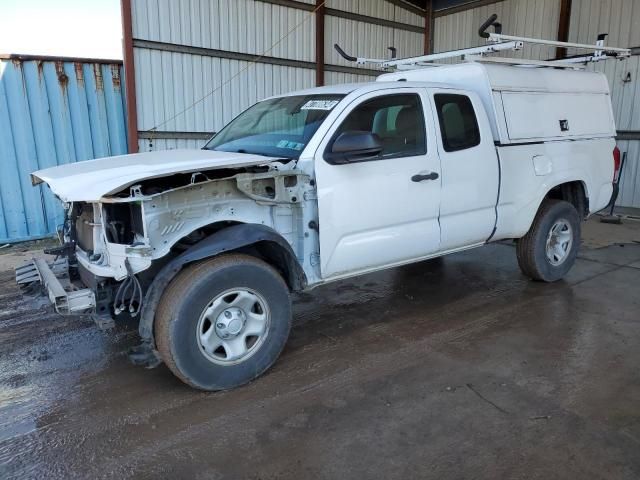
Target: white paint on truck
<point x="372" y="215"/>
<point x="325" y="184"/>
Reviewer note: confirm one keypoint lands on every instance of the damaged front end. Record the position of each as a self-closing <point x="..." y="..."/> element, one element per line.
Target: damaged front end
<point x="113" y="247"/>
<point x="68" y="280"/>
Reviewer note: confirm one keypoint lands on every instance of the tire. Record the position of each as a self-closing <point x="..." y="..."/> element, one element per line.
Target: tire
<point x="210" y="303"/>
<point x="540" y="260"/>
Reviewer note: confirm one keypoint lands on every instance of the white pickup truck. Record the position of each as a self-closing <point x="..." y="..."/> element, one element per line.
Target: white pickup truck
<point x="321" y="185"/>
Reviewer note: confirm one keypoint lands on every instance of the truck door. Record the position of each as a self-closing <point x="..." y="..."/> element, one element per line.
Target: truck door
<point x="470" y="169"/>
<point x="382" y="210"/>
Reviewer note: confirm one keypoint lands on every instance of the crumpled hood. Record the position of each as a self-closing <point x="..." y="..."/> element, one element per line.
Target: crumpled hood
<point x="91" y="180"/>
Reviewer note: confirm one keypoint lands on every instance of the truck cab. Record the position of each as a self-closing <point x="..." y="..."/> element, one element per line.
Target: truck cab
<point x="410" y="200"/>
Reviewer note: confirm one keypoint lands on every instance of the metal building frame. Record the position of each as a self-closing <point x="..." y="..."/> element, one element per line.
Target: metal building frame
<point x="319" y="65"/>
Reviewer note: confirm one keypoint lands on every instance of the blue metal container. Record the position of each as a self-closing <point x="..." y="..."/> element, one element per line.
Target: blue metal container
<point x="52" y="111"/>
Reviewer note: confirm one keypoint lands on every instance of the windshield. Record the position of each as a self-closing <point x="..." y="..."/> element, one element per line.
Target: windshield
<point x="279" y="127"/>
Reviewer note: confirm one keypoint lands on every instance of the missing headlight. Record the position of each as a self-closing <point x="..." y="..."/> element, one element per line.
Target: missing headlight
<point x="123" y="222"/>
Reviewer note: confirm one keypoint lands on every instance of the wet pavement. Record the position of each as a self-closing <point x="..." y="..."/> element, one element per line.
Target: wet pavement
<point x="452" y="368"/>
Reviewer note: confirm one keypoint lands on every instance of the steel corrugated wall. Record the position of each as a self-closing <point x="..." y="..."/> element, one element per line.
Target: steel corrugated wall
<point x="621" y="20"/>
<point x="245" y="26"/>
<point x="51" y="113"/>
<point x="168" y="82"/>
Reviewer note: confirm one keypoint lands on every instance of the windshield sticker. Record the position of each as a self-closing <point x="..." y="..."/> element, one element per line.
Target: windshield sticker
<point x="319" y="105"/>
<point x="290" y="145"/>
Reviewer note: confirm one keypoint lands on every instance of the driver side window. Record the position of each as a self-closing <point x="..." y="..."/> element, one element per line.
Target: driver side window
<point x="397" y="120"/>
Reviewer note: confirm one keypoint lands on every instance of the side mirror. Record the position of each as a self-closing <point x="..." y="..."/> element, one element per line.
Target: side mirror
<point x="354" y="146"/>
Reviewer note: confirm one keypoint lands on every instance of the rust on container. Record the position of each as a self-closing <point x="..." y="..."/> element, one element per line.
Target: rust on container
<point x="79" y="73"/>
<point x="115" y="75"/>
<point x="97" y="75"/>
<point x="63" y="79"/>
<point x="40" y="68"/>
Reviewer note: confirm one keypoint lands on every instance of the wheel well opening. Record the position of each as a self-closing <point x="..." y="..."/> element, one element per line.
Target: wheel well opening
<point x="271" y="252"/>
<point x="182" y="245"/>
<point x="279" y="258"/>
<point x="574" y="193"/>
<point x="200" y="234"/>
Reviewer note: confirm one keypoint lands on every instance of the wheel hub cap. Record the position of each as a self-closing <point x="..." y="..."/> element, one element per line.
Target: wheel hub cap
<point x="559" y="242"/>
<point x="233" y="326"/>
<point x="230" y="322"/>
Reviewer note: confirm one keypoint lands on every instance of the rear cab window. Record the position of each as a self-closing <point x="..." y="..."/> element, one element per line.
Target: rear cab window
<point x="458" y="122"/>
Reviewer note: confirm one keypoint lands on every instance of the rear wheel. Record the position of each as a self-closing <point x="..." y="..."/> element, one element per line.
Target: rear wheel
<point x="223" y="322"/>
<point x="549" y="249"/>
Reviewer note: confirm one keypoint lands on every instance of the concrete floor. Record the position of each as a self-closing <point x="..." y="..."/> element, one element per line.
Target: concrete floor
<point x="454" y="368"/>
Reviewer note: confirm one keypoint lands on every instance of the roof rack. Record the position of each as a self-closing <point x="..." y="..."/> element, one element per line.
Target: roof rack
<point x="498" y="42"/>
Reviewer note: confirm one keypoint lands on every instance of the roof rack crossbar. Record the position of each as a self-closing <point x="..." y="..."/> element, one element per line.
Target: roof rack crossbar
<point x="498" y="42"/>
<point x="599" y="46"/>
<point x="405" y="62"/>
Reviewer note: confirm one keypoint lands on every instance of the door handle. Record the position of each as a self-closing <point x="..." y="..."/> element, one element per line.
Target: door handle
<point x="428" y="176"/>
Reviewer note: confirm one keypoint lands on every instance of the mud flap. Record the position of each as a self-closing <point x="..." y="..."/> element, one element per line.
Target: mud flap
<point x="145" y="355"/>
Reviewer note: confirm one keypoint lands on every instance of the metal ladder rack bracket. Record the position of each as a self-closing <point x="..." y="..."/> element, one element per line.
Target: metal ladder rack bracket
<point x="498" y="42"/>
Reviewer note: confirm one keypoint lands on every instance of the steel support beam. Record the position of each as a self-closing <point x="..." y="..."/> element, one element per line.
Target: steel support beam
<point x="319" y="47"/>
<point x="247" y="57"/>
<point x="333" y="12"/>
<point x="428" y="28"/>
<point x="165" y="134"/>
<point x="129" y="76"/>
<point x="628" y="135"/>
<point x="564" y="21"/>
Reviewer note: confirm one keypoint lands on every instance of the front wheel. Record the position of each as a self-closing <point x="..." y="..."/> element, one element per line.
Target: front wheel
<point x="550" y="247"/>
<point x="224" y="321"/>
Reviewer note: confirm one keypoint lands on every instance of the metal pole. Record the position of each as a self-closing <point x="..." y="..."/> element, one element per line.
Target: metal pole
<point x="129" y="76"/>
<point x="320" y="15"/>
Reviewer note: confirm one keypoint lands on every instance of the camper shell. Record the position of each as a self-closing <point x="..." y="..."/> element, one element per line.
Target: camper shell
<point x="528" y="103"/>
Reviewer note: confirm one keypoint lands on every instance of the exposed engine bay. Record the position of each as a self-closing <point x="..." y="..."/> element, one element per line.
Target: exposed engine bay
<point x="113" y="248"/>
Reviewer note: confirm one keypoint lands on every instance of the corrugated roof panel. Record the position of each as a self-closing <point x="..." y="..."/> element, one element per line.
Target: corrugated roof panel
<point x="51" y="113"/>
